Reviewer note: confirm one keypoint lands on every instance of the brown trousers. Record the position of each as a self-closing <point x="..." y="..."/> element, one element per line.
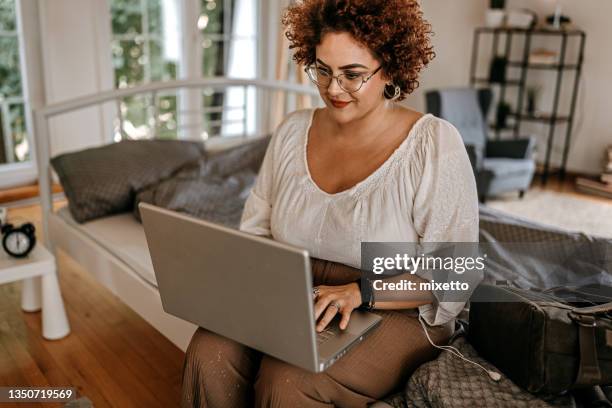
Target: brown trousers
<point x="219" y="372"/>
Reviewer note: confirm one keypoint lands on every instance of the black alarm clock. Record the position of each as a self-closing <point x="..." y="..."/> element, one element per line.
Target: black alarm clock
<point x="18" y="241"/>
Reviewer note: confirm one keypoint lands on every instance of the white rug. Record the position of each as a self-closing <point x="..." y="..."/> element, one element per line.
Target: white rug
<point x="566" y="211"/>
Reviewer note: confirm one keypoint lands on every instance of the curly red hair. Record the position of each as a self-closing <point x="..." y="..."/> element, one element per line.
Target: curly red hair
<point x="394" y="31"/>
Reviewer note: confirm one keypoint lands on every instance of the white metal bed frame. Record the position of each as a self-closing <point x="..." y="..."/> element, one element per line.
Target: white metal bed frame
<point x="106" y="267"/>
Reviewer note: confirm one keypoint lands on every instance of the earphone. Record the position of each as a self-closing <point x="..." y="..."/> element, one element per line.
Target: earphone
<point x="493" y="375"/>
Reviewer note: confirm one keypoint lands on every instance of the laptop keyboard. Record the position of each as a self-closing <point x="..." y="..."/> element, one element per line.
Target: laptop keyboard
<point x="328" y="333"/>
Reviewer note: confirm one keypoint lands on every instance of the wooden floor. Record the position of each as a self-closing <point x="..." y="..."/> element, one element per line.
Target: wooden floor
<point x="112" y="356"/>
<point x="568" y="186"/>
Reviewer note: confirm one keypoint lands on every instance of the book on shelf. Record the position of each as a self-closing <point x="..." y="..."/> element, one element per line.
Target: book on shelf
<point x="594" y="187"/>
<point x="543" y="57"/>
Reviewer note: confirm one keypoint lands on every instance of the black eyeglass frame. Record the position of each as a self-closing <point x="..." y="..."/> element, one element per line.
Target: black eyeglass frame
<point x="337" y="78"/>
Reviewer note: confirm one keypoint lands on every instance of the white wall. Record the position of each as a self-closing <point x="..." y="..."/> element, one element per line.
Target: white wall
<point x="454" y="22"/>
<point x="593" y="127"/>
<point x="76" y="48"/>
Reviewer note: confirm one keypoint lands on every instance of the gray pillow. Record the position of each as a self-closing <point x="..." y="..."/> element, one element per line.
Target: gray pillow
<point x="245" y="156"/>
<point x="101" y="181"/>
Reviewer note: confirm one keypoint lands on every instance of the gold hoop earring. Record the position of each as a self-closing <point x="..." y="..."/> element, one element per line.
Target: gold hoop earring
<point x="394" y="94"/>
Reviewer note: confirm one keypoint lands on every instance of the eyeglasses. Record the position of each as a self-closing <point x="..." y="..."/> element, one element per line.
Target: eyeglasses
<point x="349" y="81"/>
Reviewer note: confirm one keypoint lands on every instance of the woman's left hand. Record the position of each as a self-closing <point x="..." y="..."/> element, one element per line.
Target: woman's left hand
<point x="331" y="300"/>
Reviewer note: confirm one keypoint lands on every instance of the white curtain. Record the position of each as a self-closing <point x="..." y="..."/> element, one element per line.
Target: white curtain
<point x="287" y="70"/>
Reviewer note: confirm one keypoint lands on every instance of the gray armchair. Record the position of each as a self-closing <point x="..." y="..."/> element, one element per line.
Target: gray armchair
<point x="499" y="165"/>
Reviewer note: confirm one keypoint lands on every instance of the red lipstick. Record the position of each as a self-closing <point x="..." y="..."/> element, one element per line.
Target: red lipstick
<point x="339" y="104"/>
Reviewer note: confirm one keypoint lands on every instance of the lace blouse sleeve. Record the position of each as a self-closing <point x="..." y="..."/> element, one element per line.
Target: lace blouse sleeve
<point x="258" y="206"/>
<point x="445" y="205"/>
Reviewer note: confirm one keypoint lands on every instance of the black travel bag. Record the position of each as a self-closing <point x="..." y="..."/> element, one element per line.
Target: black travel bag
<point x="543" y="343"/>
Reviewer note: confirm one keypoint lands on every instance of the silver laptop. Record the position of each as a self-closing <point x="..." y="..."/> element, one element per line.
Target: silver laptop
<point x="251" y="289"/>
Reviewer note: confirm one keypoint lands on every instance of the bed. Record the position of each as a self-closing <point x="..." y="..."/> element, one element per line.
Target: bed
<point x="113" y="248"/>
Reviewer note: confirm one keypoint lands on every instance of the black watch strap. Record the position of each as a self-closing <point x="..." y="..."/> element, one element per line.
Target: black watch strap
<point x="367" y="293"/>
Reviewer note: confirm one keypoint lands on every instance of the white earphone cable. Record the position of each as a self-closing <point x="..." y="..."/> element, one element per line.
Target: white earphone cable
<point x="495" y="376"/>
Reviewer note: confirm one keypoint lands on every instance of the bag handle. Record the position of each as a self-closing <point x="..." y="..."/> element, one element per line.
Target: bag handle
<point x="591" y="310"/>
<point x="588" y="371"/>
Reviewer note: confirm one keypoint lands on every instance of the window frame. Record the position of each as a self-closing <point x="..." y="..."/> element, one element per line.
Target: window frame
<point x="151" y="103"/>
<point x="26" y="23"/>
<point x="190" y="65"/>
<point x="227" y="37"/>
<point x="145" y="36"/>
<point x="6" y="118"/>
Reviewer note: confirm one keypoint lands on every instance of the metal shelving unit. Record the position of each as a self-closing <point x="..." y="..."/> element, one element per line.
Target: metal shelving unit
<point x="552" y="119"/>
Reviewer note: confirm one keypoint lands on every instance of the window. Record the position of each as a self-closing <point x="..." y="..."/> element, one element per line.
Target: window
<point x="13" y="134"/>
<point x="145" y="48"/>
<point x="229" y="41"/>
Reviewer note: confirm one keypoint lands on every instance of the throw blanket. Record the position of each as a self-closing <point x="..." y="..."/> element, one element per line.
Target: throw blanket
<point x="213" y="188"/>
<point x="536" y="256"/>
<point x="449" y="381"/>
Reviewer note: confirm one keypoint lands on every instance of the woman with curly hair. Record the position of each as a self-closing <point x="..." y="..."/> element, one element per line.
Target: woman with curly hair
<point x="363" y="168"/>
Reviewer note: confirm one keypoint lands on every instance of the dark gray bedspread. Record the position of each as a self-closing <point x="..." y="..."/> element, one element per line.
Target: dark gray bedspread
<point x="213" y="188"/>
<point x="536" y="256"/>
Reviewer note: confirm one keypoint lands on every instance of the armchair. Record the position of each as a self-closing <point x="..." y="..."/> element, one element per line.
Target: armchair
<point x="499" y="165"/>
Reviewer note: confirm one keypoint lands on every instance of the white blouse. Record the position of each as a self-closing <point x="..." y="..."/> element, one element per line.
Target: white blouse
<point x="424" y="192"/>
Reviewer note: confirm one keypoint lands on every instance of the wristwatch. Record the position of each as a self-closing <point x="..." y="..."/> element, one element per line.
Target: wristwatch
<point x="367" y="293"/>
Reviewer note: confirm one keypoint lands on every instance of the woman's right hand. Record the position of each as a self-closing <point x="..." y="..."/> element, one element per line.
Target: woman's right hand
<point x="331" y="300"/>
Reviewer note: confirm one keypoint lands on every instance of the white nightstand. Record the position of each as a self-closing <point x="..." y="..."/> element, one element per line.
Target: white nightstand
<point x="40" y="288"/>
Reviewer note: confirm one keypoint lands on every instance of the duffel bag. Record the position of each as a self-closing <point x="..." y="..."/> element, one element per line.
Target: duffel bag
<point x="541" y="342"/>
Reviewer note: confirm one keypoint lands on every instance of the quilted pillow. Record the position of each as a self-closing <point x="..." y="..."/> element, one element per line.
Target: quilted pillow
<point x="101" y="181"/>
